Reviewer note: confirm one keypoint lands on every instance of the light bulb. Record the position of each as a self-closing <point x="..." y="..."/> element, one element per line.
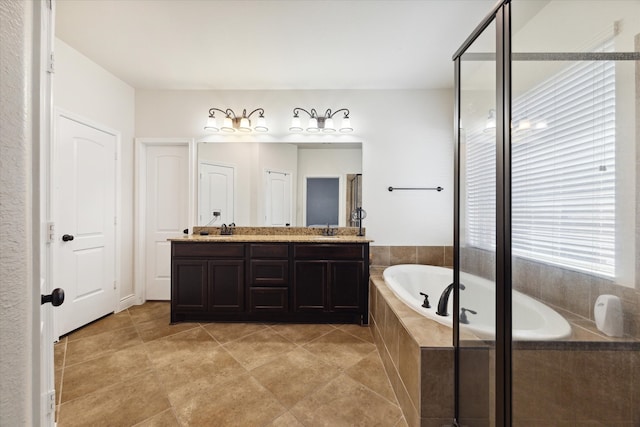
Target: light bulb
<point x="245" y="125"/>
<point x="211" y="125"/>
<point x="313" y="125"/>
<point x="295" y="124"/>
<point x="227" y="125"/>
<point x="328" y="125"/>
<point x="261" y="125"/>
<point x="346" y="125"/>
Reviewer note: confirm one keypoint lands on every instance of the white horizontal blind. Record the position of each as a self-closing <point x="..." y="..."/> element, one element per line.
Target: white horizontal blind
<point x="563" y="172"/>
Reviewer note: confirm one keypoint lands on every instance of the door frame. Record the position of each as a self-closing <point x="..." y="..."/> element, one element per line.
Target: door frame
<point x="59" y="113"/>
<point x="140" y="208"/>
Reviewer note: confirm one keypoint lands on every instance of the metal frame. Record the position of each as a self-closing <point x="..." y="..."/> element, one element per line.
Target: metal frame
<point x="501" y="13"/>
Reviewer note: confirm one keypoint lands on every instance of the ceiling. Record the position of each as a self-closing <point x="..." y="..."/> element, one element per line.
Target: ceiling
<point x="272" y="45"/>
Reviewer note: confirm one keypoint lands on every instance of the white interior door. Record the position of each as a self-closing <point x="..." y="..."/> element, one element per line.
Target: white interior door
<point x="215" y="194"/>
<point x="85" y="214"/>
<point x="166" y="213"/>
<point x="278" y="200"/>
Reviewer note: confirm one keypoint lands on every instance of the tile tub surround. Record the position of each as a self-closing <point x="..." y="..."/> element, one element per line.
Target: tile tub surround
<point x="417" y="354"/>
<point x="384" y="256"/>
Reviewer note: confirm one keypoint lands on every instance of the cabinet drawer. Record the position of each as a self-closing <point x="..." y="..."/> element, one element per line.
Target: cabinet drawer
<point x="218" y="250"/>
<point x="329" y="251"/>
<point x="269" y="299"/>
<point x="269" y="272"/>
<point x="269" y="250"/>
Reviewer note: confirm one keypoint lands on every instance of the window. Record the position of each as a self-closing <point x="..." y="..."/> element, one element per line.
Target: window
<point x="563" y="172"/>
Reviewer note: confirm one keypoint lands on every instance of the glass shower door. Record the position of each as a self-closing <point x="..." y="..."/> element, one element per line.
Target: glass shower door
<point x="476" y="232"/>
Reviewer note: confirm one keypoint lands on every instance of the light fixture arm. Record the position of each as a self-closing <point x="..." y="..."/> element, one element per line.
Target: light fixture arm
<point x="330" y="114"/>
<point x="259" y="110"/>
<point x="313" y="112"/>
<point x="226" y="113"/>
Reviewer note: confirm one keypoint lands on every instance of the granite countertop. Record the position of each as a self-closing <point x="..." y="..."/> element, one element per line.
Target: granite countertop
<point x="295" y="238"/>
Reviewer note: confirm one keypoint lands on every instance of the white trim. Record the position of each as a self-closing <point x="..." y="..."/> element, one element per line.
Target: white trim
<point x="60" y="113"/>
<point x="139" y="252"/>
<point x="46" y="331"/>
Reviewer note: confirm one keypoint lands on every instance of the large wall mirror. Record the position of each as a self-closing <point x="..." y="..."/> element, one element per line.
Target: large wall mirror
<point x="276" y="184"/>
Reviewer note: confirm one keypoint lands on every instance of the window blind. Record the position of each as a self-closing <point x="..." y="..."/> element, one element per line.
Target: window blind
<point x="563" y="172"/>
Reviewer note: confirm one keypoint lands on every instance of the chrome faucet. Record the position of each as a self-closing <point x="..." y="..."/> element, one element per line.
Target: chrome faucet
<point x="444" y="300"/>
<point x="227" y="230"/>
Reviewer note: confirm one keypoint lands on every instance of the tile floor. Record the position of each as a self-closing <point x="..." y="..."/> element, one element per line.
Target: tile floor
<point x="133" y="368"/>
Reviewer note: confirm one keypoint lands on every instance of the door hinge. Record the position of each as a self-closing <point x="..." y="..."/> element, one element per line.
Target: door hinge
<point x="49" y="403"/>
<point x="114" y="284"/>
<point x="115" y="220"/>
<point x="51" y="66"/>
<point x="50" y="4"/>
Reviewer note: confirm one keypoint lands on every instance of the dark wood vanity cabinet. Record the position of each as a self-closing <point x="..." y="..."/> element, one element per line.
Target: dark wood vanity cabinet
<point x="289" y="282"/>
<point x="206" y="279"/>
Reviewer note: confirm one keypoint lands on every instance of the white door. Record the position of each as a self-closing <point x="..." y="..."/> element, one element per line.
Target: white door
<point x="166" y="212"/>
<point x="215" y="194"/>
<point x="85" y="208"/>
<point x="278" y="205"/>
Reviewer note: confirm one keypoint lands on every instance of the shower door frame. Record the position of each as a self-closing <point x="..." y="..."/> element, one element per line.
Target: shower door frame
<point x="501" y="14"/>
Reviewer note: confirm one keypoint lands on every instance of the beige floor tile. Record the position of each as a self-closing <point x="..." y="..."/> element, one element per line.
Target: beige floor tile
<point x="362" y="332"/>
<point x="370" y="372"/>
<point x="259" y="348"/>
<point x="206" y="367"/>
<point x="302" y="333"/>
<point x="92" y="375"/>
<point x="59" y="350"/>
<point x="226" y="332"/>
<point x="163" y="419"/>
<point x="169" y="350"/>
<point x="124" y="404"/>
<point x="160" y="328"/>
<point x="285" y="420"/>
<point x="182" y="375"/>
<point x="106" y="324"/>
<point x="99" y="345"/>
<point x="346" y="402"/>
<point x="149" y="311"/>
<point x="340" y="348"/>
<point x="242" y="402"/>
<point x="294" y="375"/>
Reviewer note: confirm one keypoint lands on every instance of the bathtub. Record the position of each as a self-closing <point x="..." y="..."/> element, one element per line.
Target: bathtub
<point x="533" y="320"/>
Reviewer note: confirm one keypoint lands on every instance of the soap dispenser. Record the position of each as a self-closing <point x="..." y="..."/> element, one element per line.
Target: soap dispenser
<point x="608" y="314"/>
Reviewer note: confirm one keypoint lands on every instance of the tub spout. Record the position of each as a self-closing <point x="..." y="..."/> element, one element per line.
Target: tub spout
<point x="444" y="300"/>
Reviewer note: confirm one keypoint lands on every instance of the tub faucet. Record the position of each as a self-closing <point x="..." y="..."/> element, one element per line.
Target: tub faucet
<point x="444" y="300"/>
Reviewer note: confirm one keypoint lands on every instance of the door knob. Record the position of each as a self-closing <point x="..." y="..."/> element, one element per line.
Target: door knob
<point x="56" y="297"/>
<point x="67" y="237"/>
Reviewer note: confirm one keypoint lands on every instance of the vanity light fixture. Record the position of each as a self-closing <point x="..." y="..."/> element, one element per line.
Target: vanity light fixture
<point x="322" y="123"/>
<point x="233" y="123"/>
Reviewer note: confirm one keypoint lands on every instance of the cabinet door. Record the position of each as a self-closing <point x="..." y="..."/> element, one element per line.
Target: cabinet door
<point x="226" y="285"/>
<point x="345" y="285"/>
<point x="189" y="285"/>
<point x="310" y="285"/>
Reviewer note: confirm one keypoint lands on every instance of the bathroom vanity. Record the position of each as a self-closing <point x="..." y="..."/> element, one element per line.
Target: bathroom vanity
<point x="279" y="278"/>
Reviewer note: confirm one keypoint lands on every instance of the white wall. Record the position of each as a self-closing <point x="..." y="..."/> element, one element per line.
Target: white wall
<point x="407" y="141"/>
<point x="326" y="163"/>
<point x="19" y="274"/>
<point x="89" y="91"/>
